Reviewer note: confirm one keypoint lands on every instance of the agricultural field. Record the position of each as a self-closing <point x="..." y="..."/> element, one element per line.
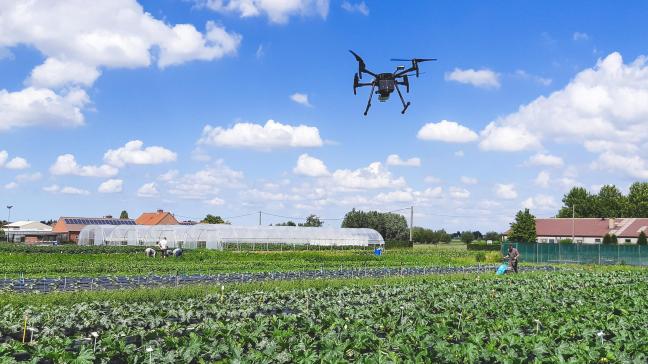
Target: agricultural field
<point x="572" y="315"/>
<point x="35" y="262"/>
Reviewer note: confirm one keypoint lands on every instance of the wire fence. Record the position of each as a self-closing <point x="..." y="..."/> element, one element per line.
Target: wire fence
<point x="581" y="253"/>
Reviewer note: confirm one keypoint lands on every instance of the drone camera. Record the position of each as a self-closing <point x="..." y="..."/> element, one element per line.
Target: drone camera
<point x="400" y="68"/>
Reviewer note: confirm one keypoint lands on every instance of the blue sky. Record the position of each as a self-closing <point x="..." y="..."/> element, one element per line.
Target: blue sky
<point x="105" y="109"/>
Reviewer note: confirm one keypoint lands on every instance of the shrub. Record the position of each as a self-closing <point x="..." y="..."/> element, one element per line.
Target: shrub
<point x="480" y="257"/>
<point x="642" y="240"/>
<point x="565" y="241"/>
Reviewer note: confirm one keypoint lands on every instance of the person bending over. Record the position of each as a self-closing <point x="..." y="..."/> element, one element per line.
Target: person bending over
<point x="177" y="252"/>
<point x="150" y="252"/>
<point x="513" y="256"/>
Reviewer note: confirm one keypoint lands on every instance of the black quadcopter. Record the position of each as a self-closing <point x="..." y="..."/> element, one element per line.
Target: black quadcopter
<point x="387" y="82"/>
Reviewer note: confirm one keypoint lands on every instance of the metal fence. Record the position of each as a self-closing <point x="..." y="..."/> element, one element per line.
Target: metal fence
<point x="581" y="253"/>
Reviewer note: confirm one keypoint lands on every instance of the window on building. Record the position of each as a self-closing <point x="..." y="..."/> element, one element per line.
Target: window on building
<point x="597" y="240"/>
<point x="543" y="240"/>
<point x="579" y="241"/>
<point x="552" y="241"/>
<point x="628" y="241"/>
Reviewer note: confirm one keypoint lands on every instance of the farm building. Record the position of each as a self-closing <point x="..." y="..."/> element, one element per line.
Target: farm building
<point x="222" y="235"/>
<point x="30" y="232"/>
<point x="68" y="228"/>
<point x="590" y="230"/>
<point x="160" y="217"/>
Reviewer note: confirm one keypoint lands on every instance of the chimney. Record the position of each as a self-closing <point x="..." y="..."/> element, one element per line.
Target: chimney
<point x="160" y="211"/>
<point x="611" y="223"/>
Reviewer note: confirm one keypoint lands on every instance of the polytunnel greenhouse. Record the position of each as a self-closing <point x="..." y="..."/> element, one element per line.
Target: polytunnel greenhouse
<point x="223" y="236"/>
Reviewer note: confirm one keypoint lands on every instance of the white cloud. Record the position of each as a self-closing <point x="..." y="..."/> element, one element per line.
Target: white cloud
<point x="277" y="11"/>
<point x="371" y="177"/>
<point x="506" y="191"/>
<point x="483" y="78"/>
<point x="459" y="193"/>
<point x="17" y="163"/>
<point x="603" y="108"/>
<point x="469" y="180"/>
<point x="395" y="160"/>
<point x="132" y="153"/>
<point x="540" y="202"/>
<point x="631" y="165"/>
<point x="260" y="52"/>
<point x="29" y="177"/>
<point x="429" y="193"/>
<point x="51" y="188"/>
<point x="215" y="201"/>
<point x="66" y="165"/>
<point x="206" y="182"/>
<point x="74" y="191"/>
<point x="460" y="153"/>
<point x="447" y="131"/>
<point x="360" y="7"/>
<point x="3" y="157"/>
<point x="111" y="186"/>
<point x="148" y="190"/>
<point x="11" y="185"/>
<point x="310" y="166"/>
<point x="394" y="196"/>
<point x="580" y="36"/>
<point x="41" y="106"/>
<point x="77" y="41"/>
<point x="301" y="99"/>
<point x="271" y="135"/>
<point x="542" y="159"/>
<point x="169" y="175"/>
<point x="543" y="179"/>
<point x="432" y="179"/>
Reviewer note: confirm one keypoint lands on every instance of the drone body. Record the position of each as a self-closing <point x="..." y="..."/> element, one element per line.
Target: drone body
<point x="386" y="83"/>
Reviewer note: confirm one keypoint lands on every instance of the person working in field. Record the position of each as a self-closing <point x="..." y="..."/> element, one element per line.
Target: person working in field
<point x="164" y="246"/>
<point x="150" y="252"/>
<point x="513" y="256"/>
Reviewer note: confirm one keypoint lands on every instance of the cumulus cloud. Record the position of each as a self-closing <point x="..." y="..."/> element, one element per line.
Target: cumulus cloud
<point x="469" y="180"/>
<point x="580" y="36"/>
<point x="73" y="191"/>
<point x="524" y="75"/>
<point x="277" y="11"/>
<point x="77" y="41"/>
<point x="301" y="99"/>
<point x="432" y="179"/>
<point x="373" y="176"/>
<point x="310" y="166"/>
<point x="111" y="186"/>
<point x="459" y="193"/>
<point x="271" y="135"/>
<point x="396" y="160"/>
<point x="631" y="165"/>
<point x="540" y="202"/>
<point x="3" y="157"/>
<point x="543" y="159"/>
<point x="205" y="183"/>
<point x="11" y="185"/>
<point x="483" y="78"/>
<point x="604" y="108"/>
<point x="360" y="7"/>
<point x="447" y="131"/>
<point x="506" y="191"/>
<point x="133" y="153"/>
<point x="26" y="177"/>
<point x="148" y="190"/>
<point x="41" y="106"/>
<point x="66" y="164"/>
<point x="17" y="163"/>
<point x="215" y="201"/>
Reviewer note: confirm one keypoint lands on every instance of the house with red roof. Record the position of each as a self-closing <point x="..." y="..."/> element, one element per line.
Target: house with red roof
<point x="590" y="230"/>
<point x="160" y="217"/>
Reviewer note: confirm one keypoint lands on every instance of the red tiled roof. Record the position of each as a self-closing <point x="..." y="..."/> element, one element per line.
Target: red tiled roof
<point x="153" y="218"/>
<point x="590" y="227"/>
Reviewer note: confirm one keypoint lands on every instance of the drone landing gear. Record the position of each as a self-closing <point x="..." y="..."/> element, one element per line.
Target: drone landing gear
<point x="405" y="104"/>
<point x="373" y="86"/>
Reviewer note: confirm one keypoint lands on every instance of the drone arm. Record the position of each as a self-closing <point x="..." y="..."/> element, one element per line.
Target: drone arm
<point x="405" y="104"/>
<point x="373" y="86"/>
<point x="404" y="72"/>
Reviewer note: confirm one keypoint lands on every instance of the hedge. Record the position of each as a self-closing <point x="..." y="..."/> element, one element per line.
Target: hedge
<point x="484" y="247"/>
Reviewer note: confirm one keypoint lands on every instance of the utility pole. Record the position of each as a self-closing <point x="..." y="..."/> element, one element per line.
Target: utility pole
<point x="411" y="221"/>
<point x="259" y="218"/>
<point x="573" y="223"/>
<point x="9" y="207"/>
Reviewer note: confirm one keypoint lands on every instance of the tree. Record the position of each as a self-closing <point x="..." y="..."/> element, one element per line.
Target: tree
<point x="585" y="203"/>
<point x="211" y="219"/>
<point x="123" y="215"/>
<point x="614" y="239"/>
<point x="642" y="240"/>
<point x="610" y="202"/>
<point x="478" y="235"/>
<point x="312" y="220"/>
<point x="607" y="239"/>
<point x="638" y="200"/>
<point x="391" y="226"/>
<point x="467" y="237"/>
<point x="524" y="227"/>
<point x="287" y="223"/>
<point x="492" y="235"/>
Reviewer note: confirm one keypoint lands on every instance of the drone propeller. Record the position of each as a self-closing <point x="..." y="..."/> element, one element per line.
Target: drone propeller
<point x="355" y="83"/>
<point x="406" y="82"/>
<point x="416" y="60"/>
<point x="361" y="64"/>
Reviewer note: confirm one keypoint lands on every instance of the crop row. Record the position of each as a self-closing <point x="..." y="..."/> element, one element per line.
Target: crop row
<point x="48" y="285"/>
<point x="572" y="316"/>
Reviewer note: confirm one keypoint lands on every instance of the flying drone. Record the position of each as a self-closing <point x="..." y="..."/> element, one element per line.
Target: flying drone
<point x="387" y="82"/>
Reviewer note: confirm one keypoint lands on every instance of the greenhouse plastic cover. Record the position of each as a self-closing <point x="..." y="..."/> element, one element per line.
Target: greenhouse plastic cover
<point x="215" y="236"/>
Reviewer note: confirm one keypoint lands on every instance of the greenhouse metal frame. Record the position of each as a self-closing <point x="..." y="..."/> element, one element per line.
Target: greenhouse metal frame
<point x="222" y="236"/>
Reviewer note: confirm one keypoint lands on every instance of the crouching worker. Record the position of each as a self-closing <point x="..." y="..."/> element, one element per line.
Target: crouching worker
<point x="177" y="252"/>
<point x="150" y="252"/>
<point x="513" y="256"/>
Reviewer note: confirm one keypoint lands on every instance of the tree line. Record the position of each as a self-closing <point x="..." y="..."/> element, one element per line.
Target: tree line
<point x="609" y="202"/>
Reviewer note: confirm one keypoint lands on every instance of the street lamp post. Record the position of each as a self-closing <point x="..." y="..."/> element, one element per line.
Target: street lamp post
<point x="8" y="221"/>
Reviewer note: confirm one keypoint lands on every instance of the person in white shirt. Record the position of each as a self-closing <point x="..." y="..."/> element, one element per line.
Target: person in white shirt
<point x="150" y="252"/>
<point x="177" y="252"/>
<point x="164" y="246"/>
